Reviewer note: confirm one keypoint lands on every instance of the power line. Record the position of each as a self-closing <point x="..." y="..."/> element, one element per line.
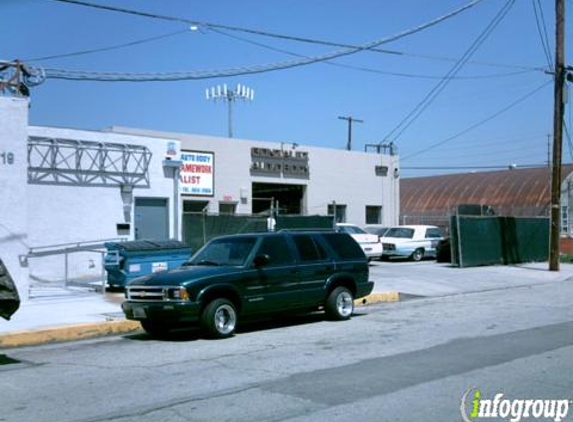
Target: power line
<point x="473" y="167"/>
<point x="210" y="25"/>
<point x="542" y="30"/>
<point x="194" y="75"/>
<point x="478" y="124"/>
<point x="214" y="26"/>
<point x="411" y="117"/>
<point x="370" y="70"/>
<point x="109" y="48"/>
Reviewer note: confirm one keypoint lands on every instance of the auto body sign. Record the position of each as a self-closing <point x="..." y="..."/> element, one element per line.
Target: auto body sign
<point x="196" y="174"/>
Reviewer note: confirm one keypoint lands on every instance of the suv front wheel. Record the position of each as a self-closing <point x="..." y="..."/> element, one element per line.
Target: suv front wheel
<point x="339" y="304"/>
<point x="219" y="319"/>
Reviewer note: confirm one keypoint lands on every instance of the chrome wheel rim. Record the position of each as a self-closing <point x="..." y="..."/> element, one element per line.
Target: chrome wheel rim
<point x="344" y="304"/>
<point x="225" y="319"/>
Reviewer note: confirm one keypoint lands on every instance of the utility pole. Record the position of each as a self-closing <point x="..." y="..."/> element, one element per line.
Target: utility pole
<point x="548" y="150"/>
<point x="559" y="77"/>
<point x="350" y="120"/>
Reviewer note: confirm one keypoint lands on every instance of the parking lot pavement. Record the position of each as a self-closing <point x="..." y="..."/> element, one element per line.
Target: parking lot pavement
<point x="429" y="278"/>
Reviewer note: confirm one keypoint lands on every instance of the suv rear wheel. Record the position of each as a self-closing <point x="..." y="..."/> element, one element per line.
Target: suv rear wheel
<point x="339" y="304"/>
<point x="219" y="319"/>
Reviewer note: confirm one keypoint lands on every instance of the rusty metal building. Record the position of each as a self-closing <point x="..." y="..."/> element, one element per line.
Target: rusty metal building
<point x="515" y="192"/>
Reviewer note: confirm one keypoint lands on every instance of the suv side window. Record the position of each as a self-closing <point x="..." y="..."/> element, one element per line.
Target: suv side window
<point x="308" y="249"/>
<point x="344" y="245"/>
<point x="278" y="249"/>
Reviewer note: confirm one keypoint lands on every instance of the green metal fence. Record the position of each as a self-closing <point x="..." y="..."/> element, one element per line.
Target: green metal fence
<point x="498" y="240"/>
<point x="199" y="228"/>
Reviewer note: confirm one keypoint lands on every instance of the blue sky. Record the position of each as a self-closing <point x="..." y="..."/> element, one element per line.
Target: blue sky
<point x="303" y="104"/>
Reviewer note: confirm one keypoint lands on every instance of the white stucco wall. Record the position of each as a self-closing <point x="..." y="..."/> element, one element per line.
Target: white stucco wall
<point x="68" y="214"/>
<point x="347" y="177"/>
<point x="13" y="190"/>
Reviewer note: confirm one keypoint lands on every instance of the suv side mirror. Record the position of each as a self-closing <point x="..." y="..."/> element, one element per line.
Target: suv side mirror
<point x="261" y="260"/>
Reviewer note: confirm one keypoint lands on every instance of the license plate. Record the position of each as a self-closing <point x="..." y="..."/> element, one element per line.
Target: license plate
<point x="139" y="313"/>
<point x="367" y="249"/>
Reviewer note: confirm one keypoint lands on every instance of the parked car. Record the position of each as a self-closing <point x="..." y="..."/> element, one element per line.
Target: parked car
<point x="235" y="276"/>
<point x="415" y="242"/>
<point x="370" y="243"/>
<point x="376" y="229"/>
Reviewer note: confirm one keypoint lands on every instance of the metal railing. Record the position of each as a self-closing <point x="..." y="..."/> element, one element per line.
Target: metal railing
<point x="96" y="246"/>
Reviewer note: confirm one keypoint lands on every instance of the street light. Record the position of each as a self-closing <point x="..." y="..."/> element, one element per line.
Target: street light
<point x="220" y="92"/>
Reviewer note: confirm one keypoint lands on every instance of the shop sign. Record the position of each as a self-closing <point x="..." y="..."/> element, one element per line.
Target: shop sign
<point x="278" y="162"/>
<point x="197" y="173"/>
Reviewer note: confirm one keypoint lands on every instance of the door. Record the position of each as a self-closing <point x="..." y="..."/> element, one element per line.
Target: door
<point x="314" y="268"/>
<point x="278" y="278"/>
<point x="151" y="218"/>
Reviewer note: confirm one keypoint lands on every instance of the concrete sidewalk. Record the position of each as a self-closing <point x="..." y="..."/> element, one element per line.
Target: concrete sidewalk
<point x="80" y="315"/>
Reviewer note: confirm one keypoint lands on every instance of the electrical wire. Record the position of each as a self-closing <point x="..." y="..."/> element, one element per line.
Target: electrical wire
<point x="109" y="48"/>
<point x="366" y="69"/>
<point x="205" y="74"/>
<point x="478" y="124"/>
<point x="413" y="115"/>
<point x="472" y="167"/>
<point x="542" y="30"/>
<point x="478" y="144"/>
<point x="214" y="26"/>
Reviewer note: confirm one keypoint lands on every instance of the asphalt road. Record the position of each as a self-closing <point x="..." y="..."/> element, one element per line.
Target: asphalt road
<point x="405" y="361"/>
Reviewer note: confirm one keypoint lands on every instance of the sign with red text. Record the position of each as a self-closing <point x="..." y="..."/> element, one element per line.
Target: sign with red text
<point x="197" y="173"/>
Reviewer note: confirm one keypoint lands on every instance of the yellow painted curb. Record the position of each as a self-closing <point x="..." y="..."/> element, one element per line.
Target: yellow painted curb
<point x="378" y="298"/>
<point x="67" y="333"/>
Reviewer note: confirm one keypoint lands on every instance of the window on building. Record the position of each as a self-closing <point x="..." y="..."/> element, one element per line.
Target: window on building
<point x="195" y="206"/>
<point x="373" y="214"/>
<point x="227" y="208"/>
<point x="339" y="212"/>
<point x="564" y="219"/>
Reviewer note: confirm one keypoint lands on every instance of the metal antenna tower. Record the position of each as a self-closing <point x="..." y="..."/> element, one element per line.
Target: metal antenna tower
<point x="220" y="92"/>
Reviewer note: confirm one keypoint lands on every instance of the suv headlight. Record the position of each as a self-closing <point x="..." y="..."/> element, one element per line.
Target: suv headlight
<point x="180" y="294"/>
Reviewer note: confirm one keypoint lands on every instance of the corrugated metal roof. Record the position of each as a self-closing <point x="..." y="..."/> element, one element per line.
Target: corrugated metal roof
<point x="516" y="192"/>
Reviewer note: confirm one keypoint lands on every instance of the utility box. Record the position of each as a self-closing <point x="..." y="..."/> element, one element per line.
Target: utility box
<point x="125" y="261"/>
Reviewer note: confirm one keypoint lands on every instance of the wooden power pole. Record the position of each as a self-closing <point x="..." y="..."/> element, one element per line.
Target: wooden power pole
<point x="350" y="120"/>
<point x="557" y="135"/>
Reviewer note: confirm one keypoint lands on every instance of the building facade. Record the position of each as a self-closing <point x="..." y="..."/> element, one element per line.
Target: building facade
<point x="65" y="190"/>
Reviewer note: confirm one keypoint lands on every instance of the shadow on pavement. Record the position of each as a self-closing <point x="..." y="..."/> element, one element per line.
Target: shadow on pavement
<point x="194" y="333"/>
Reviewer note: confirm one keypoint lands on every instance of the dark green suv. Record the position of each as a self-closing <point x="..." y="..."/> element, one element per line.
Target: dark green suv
<point x="241" y="275"/>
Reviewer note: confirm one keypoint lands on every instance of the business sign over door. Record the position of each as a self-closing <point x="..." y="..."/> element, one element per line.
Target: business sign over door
<point x="197" y="173"/>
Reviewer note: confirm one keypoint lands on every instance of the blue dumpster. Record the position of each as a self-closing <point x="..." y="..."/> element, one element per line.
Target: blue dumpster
<point x="125" y="261"/>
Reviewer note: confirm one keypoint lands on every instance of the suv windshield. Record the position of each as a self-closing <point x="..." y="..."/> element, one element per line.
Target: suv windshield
<point x="400" y="232"/>
<point x="230" y="251"/>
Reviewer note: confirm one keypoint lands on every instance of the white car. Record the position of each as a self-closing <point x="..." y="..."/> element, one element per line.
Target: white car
<point x="370" y="243"/>
<point x="415" y="242"/>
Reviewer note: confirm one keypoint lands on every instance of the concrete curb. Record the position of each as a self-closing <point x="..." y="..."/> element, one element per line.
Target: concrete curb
<point x="67" y="333"/>
<point x="75" y="332"/>
<point x="378" y="298"/>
